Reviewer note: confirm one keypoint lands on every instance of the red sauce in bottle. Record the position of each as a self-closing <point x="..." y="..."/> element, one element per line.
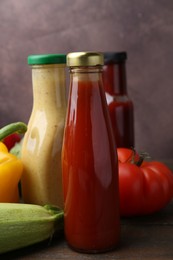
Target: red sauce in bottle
<point x="89" y="164"/>
<point x="120" y="106"/>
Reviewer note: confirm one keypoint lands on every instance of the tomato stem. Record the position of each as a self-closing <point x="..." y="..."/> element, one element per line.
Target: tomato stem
<point x="133" y="156"/>
<point x="140" y="161"/>
<point x="142" y="156"/>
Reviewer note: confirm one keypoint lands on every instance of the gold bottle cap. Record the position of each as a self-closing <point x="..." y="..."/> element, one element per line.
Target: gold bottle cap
<point x="75" y="59"/>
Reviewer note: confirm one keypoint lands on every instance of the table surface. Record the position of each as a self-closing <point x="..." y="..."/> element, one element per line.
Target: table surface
<point x="146" y="237"/>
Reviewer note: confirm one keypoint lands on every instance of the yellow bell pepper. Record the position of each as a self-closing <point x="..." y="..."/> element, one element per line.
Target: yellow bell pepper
<point x="11" y="167"/>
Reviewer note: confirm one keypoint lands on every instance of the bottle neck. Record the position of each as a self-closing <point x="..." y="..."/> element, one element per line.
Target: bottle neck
<point x="86" y="91"/>
<point x="49" y="86"/>
<point x="114" y="79"/>
<point x="86" y="73"/>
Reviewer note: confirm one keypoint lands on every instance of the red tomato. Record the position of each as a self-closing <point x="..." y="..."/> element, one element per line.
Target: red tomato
<point x="127" y="155"/>
<point x="144" y="189"/>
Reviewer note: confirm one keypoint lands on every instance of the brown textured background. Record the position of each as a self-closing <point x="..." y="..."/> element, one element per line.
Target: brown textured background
<point x="142" y="28"/>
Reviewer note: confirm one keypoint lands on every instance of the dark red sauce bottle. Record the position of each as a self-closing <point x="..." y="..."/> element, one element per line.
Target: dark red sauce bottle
<point x="89" y="160"/>
<point x="120" y="106"/>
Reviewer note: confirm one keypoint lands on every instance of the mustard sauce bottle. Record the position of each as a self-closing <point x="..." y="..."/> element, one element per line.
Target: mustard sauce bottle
<point x="41" y="149"/>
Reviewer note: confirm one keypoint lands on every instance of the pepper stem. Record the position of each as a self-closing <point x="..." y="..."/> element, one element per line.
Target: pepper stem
<point x="18" y="127"/>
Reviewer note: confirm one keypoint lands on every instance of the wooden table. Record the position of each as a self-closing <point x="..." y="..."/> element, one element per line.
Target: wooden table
<point x="149" y="237"/>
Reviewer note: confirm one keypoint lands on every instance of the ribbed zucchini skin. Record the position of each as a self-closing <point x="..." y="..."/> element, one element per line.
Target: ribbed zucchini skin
<point x="22" y="225"/>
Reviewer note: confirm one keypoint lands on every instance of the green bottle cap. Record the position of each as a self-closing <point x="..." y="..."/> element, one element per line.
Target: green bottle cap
<point x="46" y="59"/>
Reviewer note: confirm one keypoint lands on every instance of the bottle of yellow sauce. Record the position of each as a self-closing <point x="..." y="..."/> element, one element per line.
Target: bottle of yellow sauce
<point x="41" y="149"/>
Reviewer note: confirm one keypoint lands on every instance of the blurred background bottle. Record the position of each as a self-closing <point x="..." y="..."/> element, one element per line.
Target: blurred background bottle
<point x="120" y="106"/>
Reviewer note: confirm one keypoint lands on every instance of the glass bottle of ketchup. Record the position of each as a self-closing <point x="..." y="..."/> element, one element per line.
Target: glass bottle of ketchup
<point x="120" y="106"/>
<point x="89" y="160"/>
